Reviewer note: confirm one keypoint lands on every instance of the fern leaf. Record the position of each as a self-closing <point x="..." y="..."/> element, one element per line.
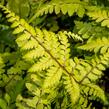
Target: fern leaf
<point x="33" y="89"/>
<point x="69" y="7"/>
<point x="30" y="103"/>
<point x="64" y="49"/>
<point x="72" y="88"/>
<point x="18" y="30"/>
<point x="23" y="37"/>
<point x="100" y="15"/>
<point x="30" y="45"/>
<point x="83" y="103"/>
<point x="74" y="36"/>
<point x="15" y="24"/>
<point x="94" y="71"/>
<point x="97" y="45"/>
<point x="33" y="54"/>
<point x="53" y="77"/>
<point x="94" y="90"/>
<point x="41" y="65"/>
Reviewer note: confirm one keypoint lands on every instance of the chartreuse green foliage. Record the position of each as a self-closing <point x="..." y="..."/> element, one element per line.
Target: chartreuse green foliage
<point x="90" y="30"/>
<point x="62" y="6"/>
<point x="98" y="37"/>
<point x="98" y="45"/>
<point x="42" y="73"/>
<point x="99" y="15"/>
<point x="55" y="75"/>
<point x="11" y="82"/>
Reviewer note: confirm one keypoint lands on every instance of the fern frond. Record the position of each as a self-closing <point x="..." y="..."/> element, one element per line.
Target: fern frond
<point x="94" y="69"/>
<point x="23" y="37"/>
<point x="19" y="67"/>
<point x="95" y="91"/>
<point x="69" y="7"/>
<point x="53" y="64"/>
<point x="6" y="77"/>
<point x="33" y="54"/>
<point x="43" y="64"/>
<point x="62" y="6"/>
<point x="83" y="103"/>
<point x="99" y="45"/>
<point x="36" y="101"/>
<point x="33" y="89"/>
<point x="30" y="45"/>
<point x="57" y="54"/>
<point x="72" y="88"/>
<point x="29" y="103"/>
<point x="90" y="30"/>
<point x="100" y="15"/>
<point x="53" y="77"/>
<point x="74" y="36"/>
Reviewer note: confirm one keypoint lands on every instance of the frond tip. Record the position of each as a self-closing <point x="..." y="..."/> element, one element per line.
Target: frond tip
<point x="72" y="35"/>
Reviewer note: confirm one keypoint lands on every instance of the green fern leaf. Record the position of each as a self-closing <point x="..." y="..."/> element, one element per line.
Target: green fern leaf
<point x="69" y="7"/>
<point x="72" y="88"/>
<point x="33" y="54"/>
<point x="18" y="30"/>
<point x="34" y="90"/>
<point x="94" y="90"/>
<point x="23" y="37"/>
<point x="96" y="45"/>
<point x="74" y="36"/>
<point x="53" y="77"/>
<point x="41" y="65"/>
<point x="100" y="15"/>
<point x="30" y="45"/>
